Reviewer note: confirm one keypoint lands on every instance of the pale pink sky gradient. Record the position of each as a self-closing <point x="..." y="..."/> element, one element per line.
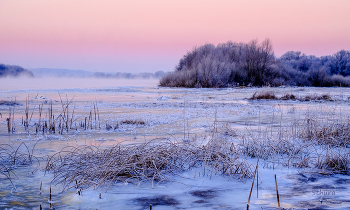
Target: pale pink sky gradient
<point x="151" y="35"/>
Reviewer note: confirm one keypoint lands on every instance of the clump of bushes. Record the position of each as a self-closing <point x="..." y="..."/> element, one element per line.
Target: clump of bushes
<point x="254" y="64"/>
<point x="228" y="64"/>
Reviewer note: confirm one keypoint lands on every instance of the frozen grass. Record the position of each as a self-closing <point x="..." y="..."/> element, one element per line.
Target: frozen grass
<point x="335" y="132"/>
<point x="336" y="161"/>
<point x="314" y="142"/>
<point x="61" y="117"/>
<point x="319" y="142"/>
<point x="298" y="154"/>
<point x="163" y="160"/>
<point x="288" y="96"/>
<point x="124" y="122"/>
<point x="323" y="97"/>
<point x="12" y="157"/>
<point x="133" y="122"/>
<point x="300" y="145"/>
<point x="155" y="161"/>
<point x="270" y="95"/>
<point x="42" y="118"/>
<point x="263" y="95"/>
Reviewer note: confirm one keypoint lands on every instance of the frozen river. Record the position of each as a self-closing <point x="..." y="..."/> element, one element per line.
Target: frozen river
<point x="103" y="113"/>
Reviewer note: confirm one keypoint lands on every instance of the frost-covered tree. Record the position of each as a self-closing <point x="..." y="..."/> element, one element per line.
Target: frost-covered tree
<point x="224" y="65"/>
<point x="254" y="63"/>
<point x="339" y="63"/>
<point x="300" y="61"/>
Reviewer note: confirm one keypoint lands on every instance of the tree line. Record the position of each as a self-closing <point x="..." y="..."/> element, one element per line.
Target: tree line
<point x="14" y="71"/>
<point x="125" y="75"/>
<point x="255" y="64"/>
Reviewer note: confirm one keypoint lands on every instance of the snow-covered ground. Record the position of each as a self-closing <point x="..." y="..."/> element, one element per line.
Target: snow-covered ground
<point x="176" y="114"/>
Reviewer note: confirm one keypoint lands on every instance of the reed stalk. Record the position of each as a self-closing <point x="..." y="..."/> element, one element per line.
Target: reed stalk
<point x="27" y="113"/>
<point x="278" y="196"/>
<point x="251" y="189"/>
<point x="40" y="112"/>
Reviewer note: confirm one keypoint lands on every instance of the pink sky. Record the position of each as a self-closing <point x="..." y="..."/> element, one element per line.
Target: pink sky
<point x="152" y="35"/>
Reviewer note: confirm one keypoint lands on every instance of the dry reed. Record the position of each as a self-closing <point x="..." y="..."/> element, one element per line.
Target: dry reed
<point x="331" y="132"/>
<point x="278" y="196"/>
<point x="133" y="122"/>
<point x="154" y="161"/>
<point x="317" y="141"/>
<point x="263" y="95"/>
<point x="12" y="157"/>
<point x="270" y="95"/>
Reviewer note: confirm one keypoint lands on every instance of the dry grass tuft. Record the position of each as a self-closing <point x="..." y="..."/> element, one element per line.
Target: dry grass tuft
<point x="316" y="142"/>
<point x="324" y="97"/>
<point x="335" y="161"/>
<point x="298" y="153"/>
<point x="272" y="147"/>
<point x="288" y="97"/>
<point x="155" y="161"/>
<point x="263" y="95"/>
<point x="333" y="133"/>
<point x="133" y="122"/>
<point x="270" y="95"/>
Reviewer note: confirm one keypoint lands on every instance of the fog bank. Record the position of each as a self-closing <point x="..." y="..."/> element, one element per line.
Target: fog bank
<point x="62" y="83"/>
